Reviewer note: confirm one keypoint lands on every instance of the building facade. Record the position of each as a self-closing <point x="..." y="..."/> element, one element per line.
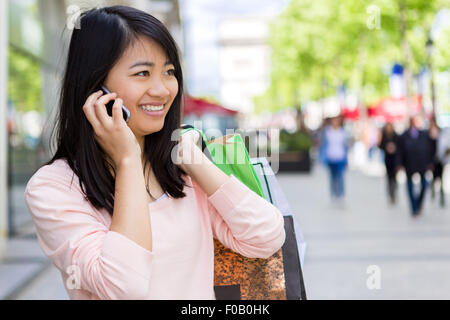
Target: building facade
<point x="3" y="131"/>
<point x="244" y="60"/>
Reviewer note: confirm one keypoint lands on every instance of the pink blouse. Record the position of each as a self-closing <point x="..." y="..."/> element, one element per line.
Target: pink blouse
<point x="96" y="263"/>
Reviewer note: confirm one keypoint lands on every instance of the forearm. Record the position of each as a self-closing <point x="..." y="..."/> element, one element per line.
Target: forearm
<point x="131" y="215"/>
<point x="207" y="175"/>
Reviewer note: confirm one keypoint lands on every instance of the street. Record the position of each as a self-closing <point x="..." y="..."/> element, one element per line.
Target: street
<point x="411" y="255"/>
<point x="350" y="243"/>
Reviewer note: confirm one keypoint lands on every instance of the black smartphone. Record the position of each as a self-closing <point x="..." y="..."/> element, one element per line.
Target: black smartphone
<point x="109" y="105"/>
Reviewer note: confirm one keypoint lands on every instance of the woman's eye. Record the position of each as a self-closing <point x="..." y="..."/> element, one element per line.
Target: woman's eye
<point x="143" y="73"/>
<point x="171" y="72"/>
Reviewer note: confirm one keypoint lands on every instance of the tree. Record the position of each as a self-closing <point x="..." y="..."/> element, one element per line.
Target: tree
<point x="24" y="81"/>
<point x="318" y="45"/>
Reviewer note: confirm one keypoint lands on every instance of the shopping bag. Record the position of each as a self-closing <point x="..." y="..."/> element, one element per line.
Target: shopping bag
<point x="230" y="155"/>
<point x="293" y="274"/>
<point x="277" y="278"/>
<point x="275" y="195"/>
<point x="240" y="278"/>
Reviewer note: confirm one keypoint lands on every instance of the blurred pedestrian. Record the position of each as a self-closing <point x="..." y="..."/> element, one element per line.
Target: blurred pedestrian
<point x="434" y="132"/>
<point x="389" y="145"/>
<point x="415" y="154"/>
<point x="333" y="152"/>
<point x="443" y="153"/>
<point x="371" y="137"/>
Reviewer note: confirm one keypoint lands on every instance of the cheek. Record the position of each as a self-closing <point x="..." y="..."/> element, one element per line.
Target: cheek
<point x="131" y="99"/>
<point x="173" y="88"/>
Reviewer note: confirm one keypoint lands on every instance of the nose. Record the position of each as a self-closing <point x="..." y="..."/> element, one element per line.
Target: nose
<point x="158" y="88"/>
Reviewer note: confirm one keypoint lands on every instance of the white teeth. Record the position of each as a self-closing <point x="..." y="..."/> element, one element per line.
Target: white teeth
<point x="152" y="108"/>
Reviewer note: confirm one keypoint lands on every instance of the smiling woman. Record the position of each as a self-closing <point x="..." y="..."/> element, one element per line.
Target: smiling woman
<point x="114" y="229"/>
<point x="127" y="51"/>
<point x="147" y="87"/>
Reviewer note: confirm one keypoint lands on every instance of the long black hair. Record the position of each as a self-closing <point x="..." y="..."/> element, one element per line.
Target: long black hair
<point x="101" y="39"/>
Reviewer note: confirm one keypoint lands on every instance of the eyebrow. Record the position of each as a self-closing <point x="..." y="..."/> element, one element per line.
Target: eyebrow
<point x="147" y="64"/>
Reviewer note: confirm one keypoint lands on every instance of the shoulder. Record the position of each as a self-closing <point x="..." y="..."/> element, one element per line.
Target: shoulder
<point x="54" y="189"/>
<point x="58" y="173"/>
<point x="193" y="187"/>
<point x="325" y="133"/>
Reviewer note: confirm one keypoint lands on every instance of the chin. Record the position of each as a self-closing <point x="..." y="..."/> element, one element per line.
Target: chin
<point x="153" y="129"/>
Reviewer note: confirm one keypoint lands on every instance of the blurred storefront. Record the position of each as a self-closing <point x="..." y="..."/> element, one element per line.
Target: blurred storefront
<point x="34" y="37"/>
<point x="210" y="116"/>
<point x="3" y="131"/>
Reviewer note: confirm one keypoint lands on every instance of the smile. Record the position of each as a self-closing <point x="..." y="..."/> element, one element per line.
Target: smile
<point x="151" y="108"/>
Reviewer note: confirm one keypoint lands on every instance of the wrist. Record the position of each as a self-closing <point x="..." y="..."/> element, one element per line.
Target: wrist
<point x="207" y="175"/>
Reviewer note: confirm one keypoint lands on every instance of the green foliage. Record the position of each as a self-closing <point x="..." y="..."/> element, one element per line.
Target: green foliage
<point x="318" y="45"/>
<point x="24" y="81"/>
<point x="297" y="141"/>
<point x="441" y="55"/>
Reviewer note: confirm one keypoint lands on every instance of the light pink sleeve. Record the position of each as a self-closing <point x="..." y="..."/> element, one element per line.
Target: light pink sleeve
<point x="245" y="222"/>
<point x="72" y="234"/>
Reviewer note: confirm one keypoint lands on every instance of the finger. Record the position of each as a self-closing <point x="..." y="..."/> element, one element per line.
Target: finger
<point x="107" y="97"/>
<point x="117" y="111"/>
<point x="196" y="137"/>
<point x="192" y="135"/>
<point x="100" y="108"/>
<point x="89" y="109"/>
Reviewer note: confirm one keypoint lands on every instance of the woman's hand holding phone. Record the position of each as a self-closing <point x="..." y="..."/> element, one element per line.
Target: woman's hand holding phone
<point x="112" y="133"/>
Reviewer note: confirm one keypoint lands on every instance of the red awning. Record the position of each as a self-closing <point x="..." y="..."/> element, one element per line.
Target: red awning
<point x="394" y="109"/>
<point x="350" y="114"/>
<point x="199" y="107"/>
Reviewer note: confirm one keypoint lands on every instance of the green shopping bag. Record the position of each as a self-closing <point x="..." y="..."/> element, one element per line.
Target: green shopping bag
<point x="230" y="155"/>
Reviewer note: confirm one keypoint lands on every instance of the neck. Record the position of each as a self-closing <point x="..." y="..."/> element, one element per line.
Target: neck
<point x="148" y="171"/>
<point x="141" y="141"/>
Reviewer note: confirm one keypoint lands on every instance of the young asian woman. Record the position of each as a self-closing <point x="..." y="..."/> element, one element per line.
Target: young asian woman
<point x="117" y="215"/>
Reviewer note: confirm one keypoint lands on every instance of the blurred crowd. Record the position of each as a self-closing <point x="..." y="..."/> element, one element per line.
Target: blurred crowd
<point x="421" y="150"/>
<point x="417" y="150"/>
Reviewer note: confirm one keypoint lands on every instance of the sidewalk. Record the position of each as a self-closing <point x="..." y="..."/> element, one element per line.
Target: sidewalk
<point x="344" y="241"/>
<point x="26" y="273"/>
<point x="412" y="255"/>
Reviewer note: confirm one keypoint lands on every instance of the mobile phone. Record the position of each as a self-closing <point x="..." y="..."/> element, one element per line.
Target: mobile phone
<point x="109" y="105"/>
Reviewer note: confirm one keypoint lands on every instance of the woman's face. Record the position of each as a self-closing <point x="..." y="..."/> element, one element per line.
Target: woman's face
<point x="145" y="80"/>
<point x="335" y="123"/>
